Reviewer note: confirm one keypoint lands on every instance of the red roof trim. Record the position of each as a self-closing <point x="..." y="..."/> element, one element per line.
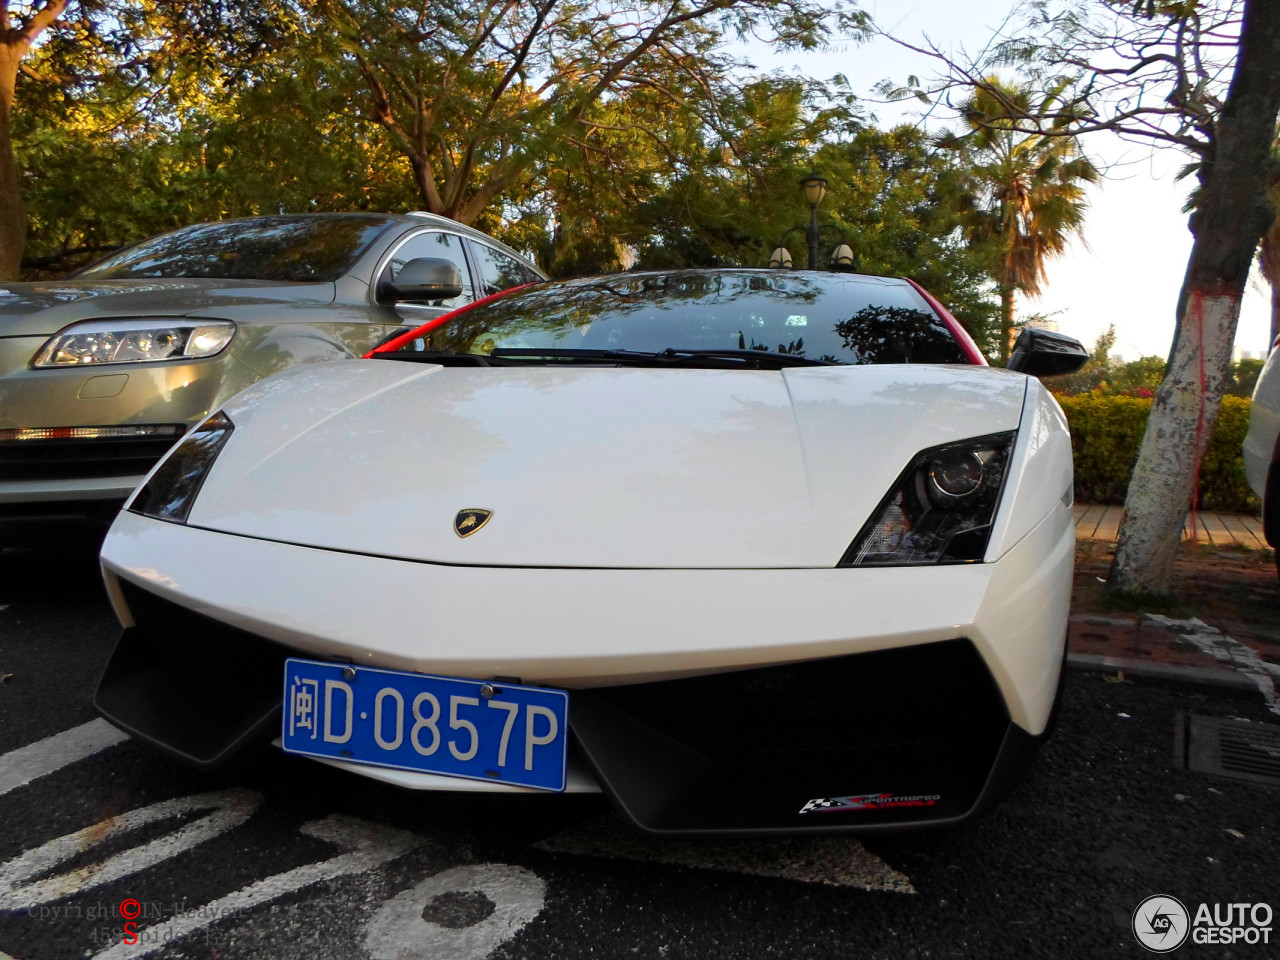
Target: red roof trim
<point x="961" y="334"/>
<point x="393" y="345"/>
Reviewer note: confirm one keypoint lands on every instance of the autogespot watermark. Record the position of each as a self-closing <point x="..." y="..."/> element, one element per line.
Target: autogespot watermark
<point x="1162" y="923"/>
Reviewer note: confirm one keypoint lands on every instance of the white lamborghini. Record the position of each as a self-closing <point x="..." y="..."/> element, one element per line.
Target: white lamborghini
<point x="751" y="552"/>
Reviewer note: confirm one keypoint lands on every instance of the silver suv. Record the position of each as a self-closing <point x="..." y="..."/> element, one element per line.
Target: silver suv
<point x="101" y="373"/>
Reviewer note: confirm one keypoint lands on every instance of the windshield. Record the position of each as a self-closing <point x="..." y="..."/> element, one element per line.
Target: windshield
<point x="295" y="249"/>
<point x="820" y="317"/>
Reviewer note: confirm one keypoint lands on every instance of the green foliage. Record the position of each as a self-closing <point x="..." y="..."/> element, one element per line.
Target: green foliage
<point x="901" y="206"/>
<point x="1105" y="434"/>
<point x="1244" y="376"/>
<point x="1094" y="373"/>
<point x="1107" y="430"/>
<point x="1223" y="485"/>
<point x="1138" y="377"/>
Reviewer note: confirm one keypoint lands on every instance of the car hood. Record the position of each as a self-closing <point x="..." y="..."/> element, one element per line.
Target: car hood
<point x="587" y="467"/>
<point x="42" y="309"/>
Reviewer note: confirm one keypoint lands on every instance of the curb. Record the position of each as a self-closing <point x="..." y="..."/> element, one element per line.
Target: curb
<point x="1198" y="676"/>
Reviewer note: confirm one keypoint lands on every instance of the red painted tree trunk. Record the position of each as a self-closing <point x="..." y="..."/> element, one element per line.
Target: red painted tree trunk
<point x="1232" y="215"/>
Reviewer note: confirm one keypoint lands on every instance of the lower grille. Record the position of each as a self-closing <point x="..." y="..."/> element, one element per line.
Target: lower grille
<point x="193" y="685"/>
<point x="746" y="751"/>
<point x="76" y="459"/>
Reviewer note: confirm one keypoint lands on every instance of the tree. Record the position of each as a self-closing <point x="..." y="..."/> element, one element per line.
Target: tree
<point x="729" y="203"/>
<point x="902" y="206"/>
<point x="1027" y="188"/>
<point x="18" y="33"/>
<point x="473" y="94"/>
<point x="106" y="73"/>
<point x="1199" y="75"/>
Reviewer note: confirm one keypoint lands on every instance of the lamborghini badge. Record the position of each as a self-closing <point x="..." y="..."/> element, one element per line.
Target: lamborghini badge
<point x="470" y="520"/>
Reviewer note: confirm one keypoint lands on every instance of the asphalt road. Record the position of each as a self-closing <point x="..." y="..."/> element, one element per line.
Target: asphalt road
<point x="280" y="857"/>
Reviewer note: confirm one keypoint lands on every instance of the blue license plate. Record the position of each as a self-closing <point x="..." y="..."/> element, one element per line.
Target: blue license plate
<point x="461" y="728"/>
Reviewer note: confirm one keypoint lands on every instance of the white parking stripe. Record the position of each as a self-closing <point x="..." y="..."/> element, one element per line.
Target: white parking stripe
<point x="19" y="767"/>
<point x="834" y="861"/>
<point x="1242" y="657"/>
<point x="227" y="810"/>
<point x="369" y="844"/>
<point x="401" y="930"/>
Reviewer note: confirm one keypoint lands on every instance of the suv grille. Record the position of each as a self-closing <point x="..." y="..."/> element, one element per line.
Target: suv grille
<point x="82" y="458"/>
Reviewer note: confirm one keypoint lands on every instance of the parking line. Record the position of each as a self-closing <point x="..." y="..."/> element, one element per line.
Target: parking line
<point x="19" y="767"/>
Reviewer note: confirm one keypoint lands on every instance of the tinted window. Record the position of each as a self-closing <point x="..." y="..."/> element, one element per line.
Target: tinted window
<point x="823" y="316"/>
<point x="498" y="271"/>
<point x="296" y="249"/>
<point x="446" y="246"/>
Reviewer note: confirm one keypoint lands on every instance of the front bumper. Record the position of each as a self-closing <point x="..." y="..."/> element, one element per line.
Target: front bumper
<point x="702" y="701"/>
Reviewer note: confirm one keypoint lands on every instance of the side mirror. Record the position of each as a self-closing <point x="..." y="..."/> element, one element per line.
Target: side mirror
<point x="424" y="278"/>
<point x="1042" y="353"/>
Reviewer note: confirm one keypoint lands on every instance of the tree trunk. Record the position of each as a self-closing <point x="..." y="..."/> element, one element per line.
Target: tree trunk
<point x="13" y="221"/>
<point x="1006" y="322"/>
<point x="1232" y="214"/>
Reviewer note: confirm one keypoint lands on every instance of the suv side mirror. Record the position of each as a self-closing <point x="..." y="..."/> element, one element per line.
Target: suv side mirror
<point x="424" y="278"/>
<point x="1042" y="353"/>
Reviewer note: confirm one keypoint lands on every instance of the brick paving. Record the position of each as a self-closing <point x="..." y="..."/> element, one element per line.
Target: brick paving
<point x="1238" y="649"/>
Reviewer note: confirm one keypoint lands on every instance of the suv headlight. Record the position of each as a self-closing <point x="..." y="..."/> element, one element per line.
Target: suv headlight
<point x="144" y="340"/>
<point x="941" y="508"/>
<point x="172" y="489"/>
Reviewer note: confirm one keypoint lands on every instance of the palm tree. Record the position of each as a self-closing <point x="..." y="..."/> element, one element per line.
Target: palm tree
<point x="1026" y="191"/>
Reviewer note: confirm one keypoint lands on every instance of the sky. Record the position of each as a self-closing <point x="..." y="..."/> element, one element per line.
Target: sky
<point x="1128" y="267"/>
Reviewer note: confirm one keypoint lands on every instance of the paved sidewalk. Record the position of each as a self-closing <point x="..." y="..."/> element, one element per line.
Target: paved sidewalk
<point x="1096" y="521"/>
<point x="1188" y="651"/>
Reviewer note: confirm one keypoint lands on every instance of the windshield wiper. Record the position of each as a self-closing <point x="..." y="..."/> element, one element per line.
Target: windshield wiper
<point x="448" y="359"/>
<point x="671" y="356"/>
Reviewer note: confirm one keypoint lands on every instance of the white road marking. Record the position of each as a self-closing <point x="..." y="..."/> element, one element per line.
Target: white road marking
<point x="369" y="844"/>
<point x="19" y="767"/>
<point x="834" y="861"/>
<point x="399" y="932"/>
<point x="1218" y="645"/>
<point x="228" y="809"/>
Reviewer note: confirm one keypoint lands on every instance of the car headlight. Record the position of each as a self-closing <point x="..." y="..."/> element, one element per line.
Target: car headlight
<point x="172" y="489"/>
<point x="143" y="340"/>
<point x="940" y="509"/>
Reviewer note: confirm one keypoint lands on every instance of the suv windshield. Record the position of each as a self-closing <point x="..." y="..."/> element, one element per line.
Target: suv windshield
<point x="304" y="249"/>
<point x="823" y="317"/>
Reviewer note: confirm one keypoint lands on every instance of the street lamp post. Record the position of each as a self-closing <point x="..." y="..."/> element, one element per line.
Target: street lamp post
<point x="815" y="188"/>
<point x="842" y="258"/>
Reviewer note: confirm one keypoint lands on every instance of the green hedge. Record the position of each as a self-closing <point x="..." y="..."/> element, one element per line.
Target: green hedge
<point x="1106" y="431"/>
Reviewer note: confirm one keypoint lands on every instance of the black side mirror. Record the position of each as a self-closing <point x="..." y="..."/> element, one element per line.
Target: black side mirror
<point x="424" y="278"/>
<point x="1042" y="353"/>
